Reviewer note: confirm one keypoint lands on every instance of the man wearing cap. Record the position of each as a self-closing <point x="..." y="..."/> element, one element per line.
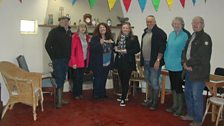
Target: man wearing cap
<point x="58" y="47"/>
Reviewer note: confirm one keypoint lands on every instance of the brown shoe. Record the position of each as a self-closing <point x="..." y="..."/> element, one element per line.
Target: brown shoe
<point x="195" y="124"/>
<point x="186" y="117"/>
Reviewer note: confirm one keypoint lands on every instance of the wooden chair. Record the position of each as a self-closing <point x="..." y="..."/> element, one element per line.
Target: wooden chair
<point x="23" y="87"/>
<point x="49" y="84"/>
<point x="217" y="101"/>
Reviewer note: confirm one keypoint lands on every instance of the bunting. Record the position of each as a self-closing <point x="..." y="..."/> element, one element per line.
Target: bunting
<point x="170" y="3"/>
<point x="20" y="1"/>
<point x="182" y="3"/>
<point x="92" y="3"/>
<point x="127" y="4"/>
<point x="194" y="1"/>
<point x="156" y="4"/>
<point x="0" y="1"/>
<point x="142" y="4"/>
<point x="73" y="2"/>
<point x="111" y="4"/>
<point x="205" y="1"/>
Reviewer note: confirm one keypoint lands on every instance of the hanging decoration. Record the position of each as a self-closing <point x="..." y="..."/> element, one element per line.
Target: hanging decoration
<point x="20" y="1"/>
<point x="73" y="2"/>
<point x="92" y="3"/>
<point x="127" y="4"/>
<point x="194" y="1"/>
<point x="111" y="4"/>
<point x="142" y="4"/>
<point x="182" y="3"/>
<point x="205" y="1"/>
<point x="170" y="3"/>
<point x="0" y="1"/>
<point x="156" y="4"/>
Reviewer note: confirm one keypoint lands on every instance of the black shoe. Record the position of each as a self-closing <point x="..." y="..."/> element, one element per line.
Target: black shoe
<point x="153" y="107"/>
<point x="96" y="97"/>
<point x="147" y="103"/>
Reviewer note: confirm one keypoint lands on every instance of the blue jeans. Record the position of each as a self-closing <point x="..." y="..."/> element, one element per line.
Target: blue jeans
<point x="60" y="69"/>
<point x="151" y="75"/>
<point x="194" y="98"/>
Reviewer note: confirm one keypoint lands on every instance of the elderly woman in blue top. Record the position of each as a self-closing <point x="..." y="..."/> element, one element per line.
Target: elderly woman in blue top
<point x="175" y="44"/>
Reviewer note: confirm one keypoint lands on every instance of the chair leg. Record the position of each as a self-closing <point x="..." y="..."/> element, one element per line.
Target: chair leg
<point x="4" y="110"/>
<point x="206" y="111"/>
<point x="219" y="113"/>
<point x="34" y="112"/>
<point x="41" y="100"/>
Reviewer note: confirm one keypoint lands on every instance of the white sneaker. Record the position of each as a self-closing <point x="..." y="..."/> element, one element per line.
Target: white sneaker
<point x="122" y="103"/>
<point x="119" y="99"/>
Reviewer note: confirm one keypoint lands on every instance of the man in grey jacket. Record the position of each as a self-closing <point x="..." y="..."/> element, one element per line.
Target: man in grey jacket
<point x="196" y="62"/>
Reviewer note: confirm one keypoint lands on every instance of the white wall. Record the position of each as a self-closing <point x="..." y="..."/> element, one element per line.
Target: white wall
<point x="212" y="12"/>
<point x="12" y="42"/>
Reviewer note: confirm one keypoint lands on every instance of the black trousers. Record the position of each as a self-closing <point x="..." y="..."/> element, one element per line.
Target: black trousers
<point x="99" y="81"/>
<point x="124" y="75"/>
<point x="77" y="77"/>
<point x="176" y="81"/>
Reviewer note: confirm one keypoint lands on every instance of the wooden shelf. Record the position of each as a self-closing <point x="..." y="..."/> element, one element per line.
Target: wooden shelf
<point x="89" y="26"/>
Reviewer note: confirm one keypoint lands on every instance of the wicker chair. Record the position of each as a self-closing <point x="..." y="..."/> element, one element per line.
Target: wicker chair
<point x="23" y="87"/>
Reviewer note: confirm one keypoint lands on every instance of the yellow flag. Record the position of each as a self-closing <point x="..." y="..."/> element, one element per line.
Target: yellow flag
<point x="111" y="4"/>
<point x="170" y="3"/>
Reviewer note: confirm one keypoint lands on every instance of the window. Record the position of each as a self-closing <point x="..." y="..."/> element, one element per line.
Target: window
<point x="28" y="27"/>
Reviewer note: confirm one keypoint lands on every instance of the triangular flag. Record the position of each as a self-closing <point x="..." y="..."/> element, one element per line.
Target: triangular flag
<point x="0" y="1"/>
<point x="73" y="2"/>
<point x="182" y="3"/>
<point x="92" y="3"/>
<point x="142" y="4"/>
<point x="194" y="1"/>
<point x="205" y="1"/>
<point x="156" y="4"/>
<point x="170" y="3"/>
<point x="127" y="4"/>
<point x="111" y="4"/>
<point x="20" y="1"/>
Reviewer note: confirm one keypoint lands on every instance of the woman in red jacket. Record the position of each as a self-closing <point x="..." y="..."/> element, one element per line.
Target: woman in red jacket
<point x="79" y="59"/>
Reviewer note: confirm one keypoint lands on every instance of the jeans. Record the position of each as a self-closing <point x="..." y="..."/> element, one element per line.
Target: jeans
<point x="60" y="69"/>
<point x="151" y="75"/>
<point x="194" y="98"/>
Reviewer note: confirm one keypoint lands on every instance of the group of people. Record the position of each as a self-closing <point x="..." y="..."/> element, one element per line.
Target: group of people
<point x="185" y="56"/>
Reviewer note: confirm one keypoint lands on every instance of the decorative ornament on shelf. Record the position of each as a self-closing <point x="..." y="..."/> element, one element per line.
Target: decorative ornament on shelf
<point x="94" y="22"/>
<point x="50" y="19"/>
<point x="109" y="22"/>
<point x="87" y="18"/>
<point x="122" y="20"/>
<point x="61" y="10"/>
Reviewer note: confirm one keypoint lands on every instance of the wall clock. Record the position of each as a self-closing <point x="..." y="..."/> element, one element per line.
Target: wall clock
<point x="87" y="18"/>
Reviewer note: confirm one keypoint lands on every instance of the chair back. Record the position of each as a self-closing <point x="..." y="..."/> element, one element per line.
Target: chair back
<point x="22" y="62"/>
<point x="219" y="71"/>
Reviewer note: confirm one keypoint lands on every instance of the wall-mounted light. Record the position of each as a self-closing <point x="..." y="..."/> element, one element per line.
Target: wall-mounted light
<point x="28" y="26"/>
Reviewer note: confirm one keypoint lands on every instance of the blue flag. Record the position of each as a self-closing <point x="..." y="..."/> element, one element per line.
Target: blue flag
<point x="194" y="1"/>
<point x="73" y="2"/>
<point x="142" y="4"/>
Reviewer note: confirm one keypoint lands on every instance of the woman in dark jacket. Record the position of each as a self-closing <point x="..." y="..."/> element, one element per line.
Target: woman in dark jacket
<point x="126" y="47"/>
<point x="101" y="58"/>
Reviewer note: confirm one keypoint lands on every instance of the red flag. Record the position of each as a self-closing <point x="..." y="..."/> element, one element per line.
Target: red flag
<point x="127" y="4"/>
<point x="182" y="3"/>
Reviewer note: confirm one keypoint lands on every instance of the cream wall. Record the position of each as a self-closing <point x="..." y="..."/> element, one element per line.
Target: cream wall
<point x="12" y="42"/>
<point x="212" y="12"/>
